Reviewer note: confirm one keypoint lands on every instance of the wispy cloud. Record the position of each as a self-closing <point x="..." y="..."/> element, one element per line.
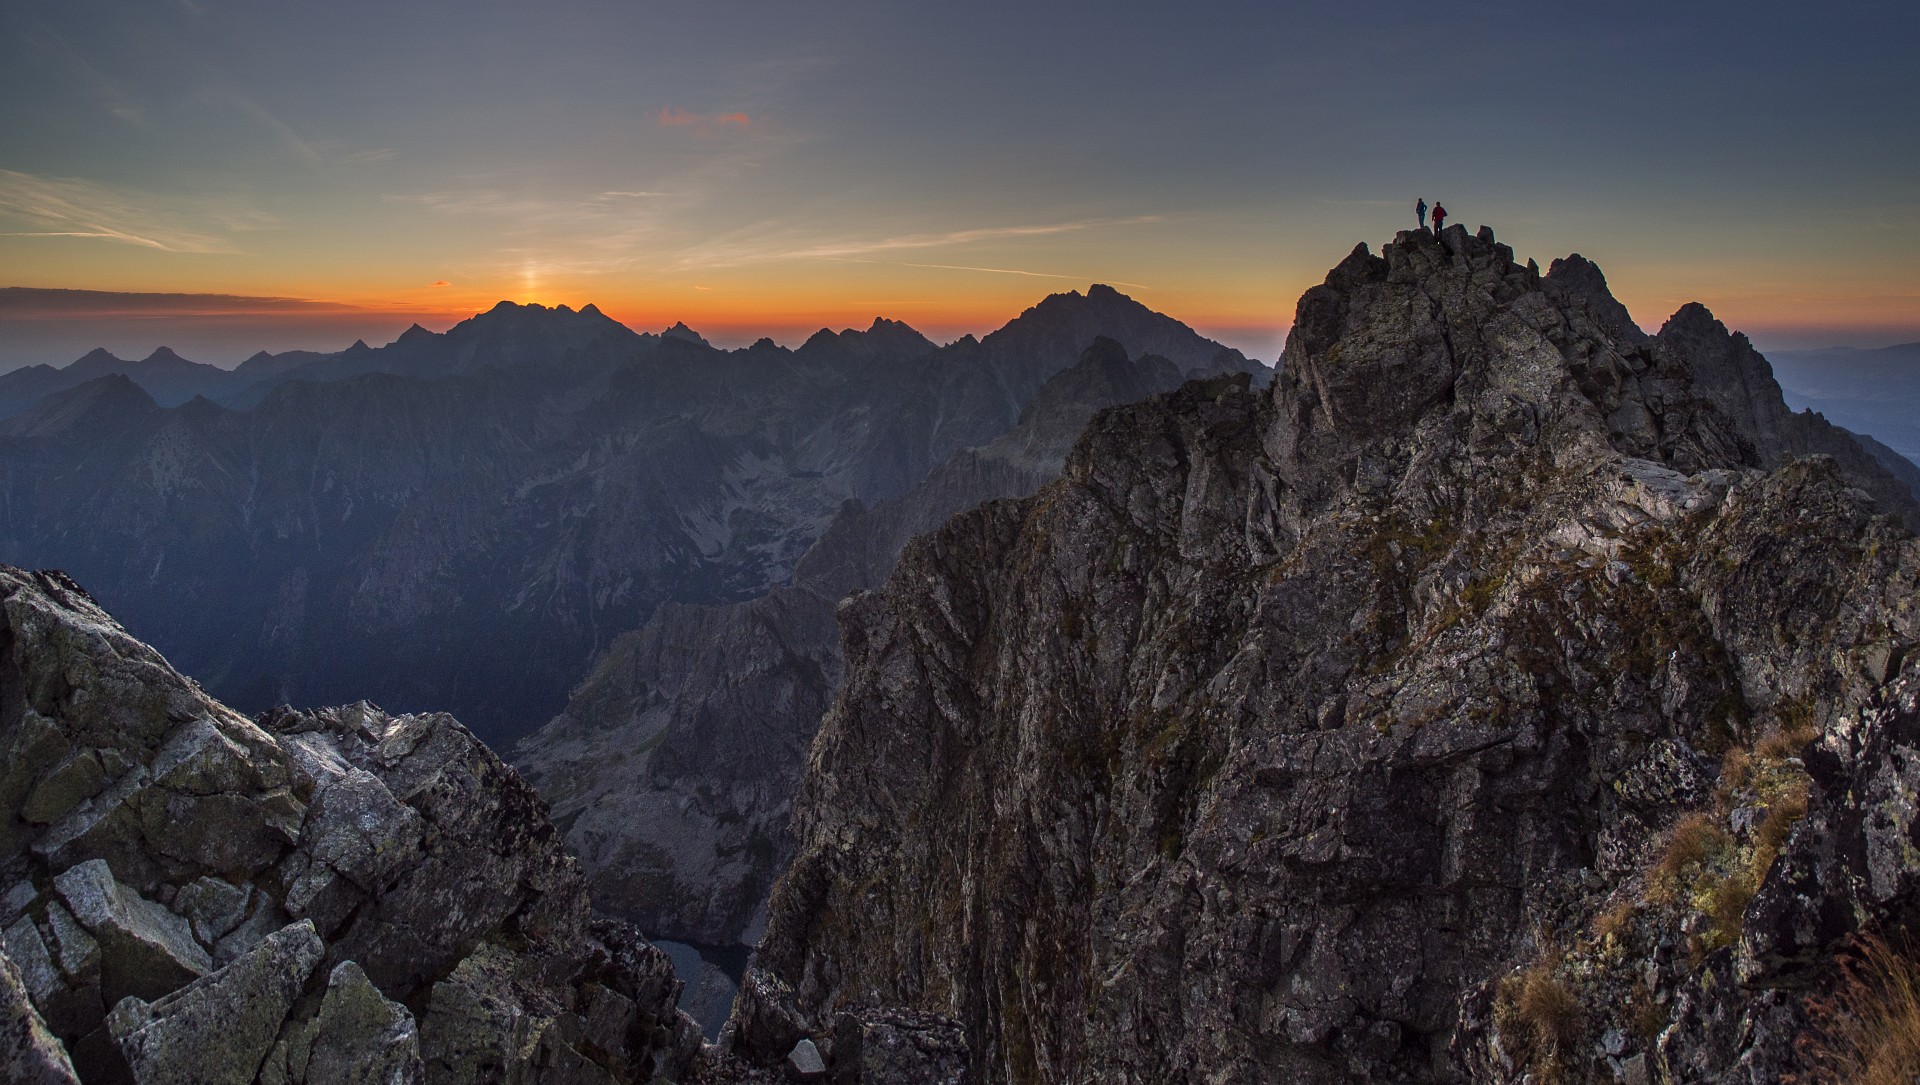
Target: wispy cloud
<point x="39" y="206"/>
<point x="748" y="247"/>
<point x="363" y="158"/>
<point x="37" y="303"/>
<point x="107" y="91"/>
<point x="674" y="117"/>
<point x="1016" y="271"/>
<point x="617" y="212"/>
<point x="284" y="134"/>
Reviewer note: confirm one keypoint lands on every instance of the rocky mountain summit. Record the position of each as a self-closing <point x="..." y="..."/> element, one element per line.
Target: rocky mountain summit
<point x="330" y="897"/>
<point x="1497" y="698"/>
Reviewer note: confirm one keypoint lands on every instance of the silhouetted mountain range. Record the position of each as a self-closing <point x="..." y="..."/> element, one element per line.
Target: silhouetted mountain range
<point x="461" y="520"/>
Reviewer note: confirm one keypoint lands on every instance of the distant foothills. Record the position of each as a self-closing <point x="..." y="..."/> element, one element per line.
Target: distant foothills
<point x="465" y="520"/>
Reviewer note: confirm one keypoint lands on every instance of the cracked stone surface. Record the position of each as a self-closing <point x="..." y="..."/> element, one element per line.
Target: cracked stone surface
<point x="198" y="896"/>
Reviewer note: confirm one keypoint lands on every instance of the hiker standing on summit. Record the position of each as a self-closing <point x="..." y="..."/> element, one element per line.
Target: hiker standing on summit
<point x="1439" y="217"/>
<point x="1420" y="212"/>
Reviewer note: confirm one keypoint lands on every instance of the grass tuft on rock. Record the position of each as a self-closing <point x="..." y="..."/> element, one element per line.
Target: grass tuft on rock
<point x="1868" y="1032"/>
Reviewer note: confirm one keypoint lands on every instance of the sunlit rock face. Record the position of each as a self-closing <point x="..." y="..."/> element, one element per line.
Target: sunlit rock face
<point x="331" y="896"/>
<point x="1435" y="715"/>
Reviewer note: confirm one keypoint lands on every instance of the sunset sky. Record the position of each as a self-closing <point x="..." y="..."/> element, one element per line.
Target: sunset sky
<point x="766" y="168"/>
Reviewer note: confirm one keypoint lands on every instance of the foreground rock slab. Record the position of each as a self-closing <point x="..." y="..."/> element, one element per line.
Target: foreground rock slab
<point x="188" y="895"/>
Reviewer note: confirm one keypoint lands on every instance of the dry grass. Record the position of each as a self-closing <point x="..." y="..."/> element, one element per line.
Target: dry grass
<point x="1693" y="841"/>
<point x="1537" y="1013"/>
<point x="1724" y="900"/>
<point x="1788" y="741"/>
<point x="1547" y="1007"/>
<point x="1785" y="807"/>
<point x="1645" y="1015"/>
<point x="1868" y="1032"/>
<point x="1612" y="923"/>
<point x="1736" y="770"/>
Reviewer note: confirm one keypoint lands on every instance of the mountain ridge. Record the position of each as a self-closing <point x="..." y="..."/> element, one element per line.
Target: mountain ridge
<point x="547" y="473"/>
<point x="1290" y="723"/>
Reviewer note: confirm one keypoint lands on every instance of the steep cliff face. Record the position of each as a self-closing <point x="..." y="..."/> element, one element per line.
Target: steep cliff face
<point x="1327" y="734"/>
<point x="313" y="897"/>
<point x="672" y="770"/>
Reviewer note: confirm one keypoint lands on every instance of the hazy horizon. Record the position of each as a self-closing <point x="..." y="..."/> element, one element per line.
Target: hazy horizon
<point x="277" y="325"/>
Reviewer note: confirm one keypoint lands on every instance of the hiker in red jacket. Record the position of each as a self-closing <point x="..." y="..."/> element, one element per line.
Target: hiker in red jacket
<point x="1439" y="218"/>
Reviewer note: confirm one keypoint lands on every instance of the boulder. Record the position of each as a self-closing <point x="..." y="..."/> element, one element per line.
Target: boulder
<point x="362" y="1038"/>
<point x="29" y="1053"/>
<point x="146" y="950"/>
<point x="218" y="1029"/>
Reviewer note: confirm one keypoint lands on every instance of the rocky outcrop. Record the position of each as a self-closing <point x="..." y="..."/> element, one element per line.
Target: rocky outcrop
<point x="313" y="897"/>
<point x="1432" y="717"/>
<point x="672" y="771"/>
<point x="1727" y="370"/>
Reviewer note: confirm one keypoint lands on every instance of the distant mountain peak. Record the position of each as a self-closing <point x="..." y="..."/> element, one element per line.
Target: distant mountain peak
<point x="97" y="405"/>
<point x="884" y="337"/>
<point x="160" y="355"/>
<point x="681" y="331"/>
<point x="1695" y="315"/>
<point x="590" y="309"/>
<point x="96" y="356"/>
<point x="414" y="333"/>
<point x="358" y="344"/>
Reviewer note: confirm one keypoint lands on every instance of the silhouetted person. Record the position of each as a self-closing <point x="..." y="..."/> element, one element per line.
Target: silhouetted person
<point x="1439" y="218"/>
<point x="1420" y="212"/>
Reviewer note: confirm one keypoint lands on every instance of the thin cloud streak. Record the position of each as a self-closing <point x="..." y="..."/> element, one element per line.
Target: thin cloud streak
<point x="288" y="138"/>
<point x="68" y="207"/>
<point x="363" y="158"/>
<point x="750" y="250"/>
<point x="674" y="117"/>
<point x="52" y="303"/>
<point x="112" y="96"/>
<point x="107" y="235"/>
<point x="1015" y="271"/>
